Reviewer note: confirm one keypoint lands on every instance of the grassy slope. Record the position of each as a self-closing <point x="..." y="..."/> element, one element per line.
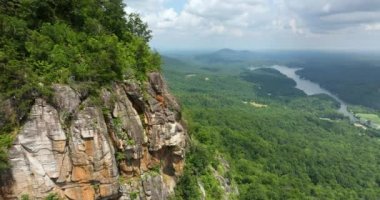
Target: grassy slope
<point x="372" y="117"/>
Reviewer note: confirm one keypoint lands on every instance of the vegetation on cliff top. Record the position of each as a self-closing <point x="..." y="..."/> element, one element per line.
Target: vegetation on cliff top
<point x="84" y="42"/>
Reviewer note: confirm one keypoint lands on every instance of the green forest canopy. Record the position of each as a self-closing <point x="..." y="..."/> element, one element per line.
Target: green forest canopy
<point x="287" y="150"/>
<point x="83" y="42"/>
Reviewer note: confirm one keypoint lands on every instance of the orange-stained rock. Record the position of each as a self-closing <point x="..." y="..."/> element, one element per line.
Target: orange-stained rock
<point x="178" y="167"/>
<point x="81" y="173"/>
<point x="108" y="190"/>
<point x="88" y="192"/>
<point x="130" y="168"/>
<point x="70" y="148"/>
<point x="72" y="192"/>
<point x="80" y="192"/>
<point x="145" y="160"/>
<point x="161" y="99"/>
<point x="89" y="145"/>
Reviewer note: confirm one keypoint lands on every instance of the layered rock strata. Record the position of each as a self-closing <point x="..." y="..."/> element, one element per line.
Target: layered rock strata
<point x="127" y="143"/>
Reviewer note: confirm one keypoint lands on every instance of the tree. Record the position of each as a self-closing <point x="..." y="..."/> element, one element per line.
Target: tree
<point x="91" y="43"/>
<point x="137" y="27"/>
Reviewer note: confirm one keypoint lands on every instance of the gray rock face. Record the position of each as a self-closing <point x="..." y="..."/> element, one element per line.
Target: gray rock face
<point x="66" y="99"/>
<point x="38" y="152"/>
<point x="132" y="146"/>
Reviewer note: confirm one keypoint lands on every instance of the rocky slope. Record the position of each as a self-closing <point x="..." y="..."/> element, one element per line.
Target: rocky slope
<point x="127" y="144"/>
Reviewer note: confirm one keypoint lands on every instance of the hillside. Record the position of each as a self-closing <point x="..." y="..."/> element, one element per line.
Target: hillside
<point x="291" y="146"/>
<point x="226" y="56"/>
<point x="84" y="111"/>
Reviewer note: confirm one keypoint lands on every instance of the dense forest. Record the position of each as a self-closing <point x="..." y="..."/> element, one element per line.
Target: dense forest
<point x="349" y="75"/>
<point x="285" y="145"/>
<point x="349" y="82"/>
<point x="251" y="129"/>
<point x="81" y="43"/>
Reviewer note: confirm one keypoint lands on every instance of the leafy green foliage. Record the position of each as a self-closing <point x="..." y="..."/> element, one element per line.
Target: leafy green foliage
<point x="137" y="27"/>
<point x="284" y="151"/>
<point x="351" y="83"/>
<point x="6" y="140"/>
<point x="271" y="82"/>
<point x="120" y="156"/>
<point x="53" y="196"/>
<point x="133" y="195"/>
<point x="87" y="43"/>
<point x="187" y="188"/>
<point x="25" y="197"/>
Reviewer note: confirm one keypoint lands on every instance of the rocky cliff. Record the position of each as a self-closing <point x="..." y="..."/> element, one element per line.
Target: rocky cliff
<point x="128" y="143"/>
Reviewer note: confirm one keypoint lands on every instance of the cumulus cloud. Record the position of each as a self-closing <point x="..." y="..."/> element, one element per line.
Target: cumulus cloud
<point x="234" y="17"/>
<point x="330" y="15"/>
<point x="293" y="25"/>
<point x="255" y="20"/>
<point x="372" y="27"/>
<point x="147" y="6"/>
<point x="326" y="8"/>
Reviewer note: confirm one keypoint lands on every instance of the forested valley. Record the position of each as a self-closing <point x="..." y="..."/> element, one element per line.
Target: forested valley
<point x="279" y="142"/>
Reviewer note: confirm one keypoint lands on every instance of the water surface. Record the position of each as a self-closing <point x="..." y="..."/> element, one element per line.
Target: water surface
<point x="311" y="88"/>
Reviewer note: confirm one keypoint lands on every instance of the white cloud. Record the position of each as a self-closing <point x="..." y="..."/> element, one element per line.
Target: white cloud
<point x="229" y="17"/>
<point x="324" y="16"/>
<point x="294" y="27"/>
<point x="372" y="27"/>
<point x="218" y="29"/>
<point x="326" y="8"/>
<point x="147" y="6"/>
<point x="258" y="22"/>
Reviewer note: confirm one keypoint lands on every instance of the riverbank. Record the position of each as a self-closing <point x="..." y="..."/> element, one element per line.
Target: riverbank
<point x="311" y="88"/>
<point x="370" y="120"/>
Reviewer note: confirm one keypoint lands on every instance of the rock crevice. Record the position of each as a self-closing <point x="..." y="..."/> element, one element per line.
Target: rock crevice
<point x="130" y="146"/>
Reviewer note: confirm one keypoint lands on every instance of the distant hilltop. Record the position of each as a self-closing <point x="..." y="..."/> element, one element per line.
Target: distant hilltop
<point x="232" y="51"/>
<point x="226" y="55"/>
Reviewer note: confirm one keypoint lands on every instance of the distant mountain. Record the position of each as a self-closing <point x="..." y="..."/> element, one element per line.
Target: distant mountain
<point x="226" y="56"/>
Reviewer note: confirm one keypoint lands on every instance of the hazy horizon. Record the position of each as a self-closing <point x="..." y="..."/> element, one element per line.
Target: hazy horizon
<point x="263" y="50"/>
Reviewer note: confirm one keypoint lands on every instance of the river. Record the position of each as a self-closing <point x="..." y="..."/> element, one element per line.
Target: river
<point x="311" y="88"/>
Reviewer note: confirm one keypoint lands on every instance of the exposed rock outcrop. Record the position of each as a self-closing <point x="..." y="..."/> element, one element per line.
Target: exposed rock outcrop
<point x="129" y="144"/>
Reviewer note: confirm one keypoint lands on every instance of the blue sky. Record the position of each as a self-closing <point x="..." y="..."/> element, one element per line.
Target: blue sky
<point x="177" y="5"/>
<point x="261" y="24"/>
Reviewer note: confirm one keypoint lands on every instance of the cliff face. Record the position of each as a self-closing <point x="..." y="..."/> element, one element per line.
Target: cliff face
<point x="129" y="144"/>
